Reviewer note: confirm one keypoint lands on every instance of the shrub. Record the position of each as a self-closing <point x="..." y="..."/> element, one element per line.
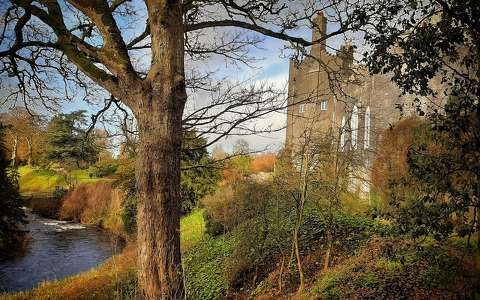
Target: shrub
<point x="263" y="163"/>
<point x="47" y="207"/>
<point x="11" y="215"/>
<point x="205" y="267"/>
<point x="347" y="230"/>
<point x="234" y="204"/>
<point x="396" y="269"/>
<point x="94" y="203"/>
<point x="103" y="169"/>
<point x="220" y="210"/>
<point x="247" y="207"/>
<point x="129" y="214"/>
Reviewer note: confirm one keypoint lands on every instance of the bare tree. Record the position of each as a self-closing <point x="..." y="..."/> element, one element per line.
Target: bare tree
<point x="78" y="42"/>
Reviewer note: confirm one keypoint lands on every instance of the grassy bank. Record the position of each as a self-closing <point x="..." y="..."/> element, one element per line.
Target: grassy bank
<point x="35" y="180"/>
<point x="380" y="268"/>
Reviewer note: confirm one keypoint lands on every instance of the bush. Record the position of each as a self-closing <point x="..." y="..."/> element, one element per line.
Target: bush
<point x="247" y="207"/>
<point x="103" y="169"/>
<point x="233" y="204"/>
<point x="47" y="207"/>
<point x="263" y="163"/>
<point x="347" y="230"/>
<point x="204" y="267"/>
<point x="11" y="215"/>
<point x="129" y="214"/>
<point x="220" y="211"/>
<point x="396" y="269"/>
<point x="94" y="203"/>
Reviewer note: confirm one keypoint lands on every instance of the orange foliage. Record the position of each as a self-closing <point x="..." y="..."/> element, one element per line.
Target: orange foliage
<point x="94" y="203"/>
<point x="391" y="160"/>
<point x="263" y="163"/>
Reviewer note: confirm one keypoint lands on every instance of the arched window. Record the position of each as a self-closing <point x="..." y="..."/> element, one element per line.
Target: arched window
<point x="342" y="134"/>
<point x="366" y="143"/>
<point x="354" y="126"/>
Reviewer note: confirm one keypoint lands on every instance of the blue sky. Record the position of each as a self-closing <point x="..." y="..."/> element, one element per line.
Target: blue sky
<point x="272" y="67"/>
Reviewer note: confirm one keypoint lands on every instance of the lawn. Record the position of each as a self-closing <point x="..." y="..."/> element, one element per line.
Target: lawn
<point x="34" y="180"/>
<point x="192" y="229"/>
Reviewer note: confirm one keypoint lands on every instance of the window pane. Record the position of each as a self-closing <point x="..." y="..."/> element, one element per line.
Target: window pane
<point x="301" y="108"/>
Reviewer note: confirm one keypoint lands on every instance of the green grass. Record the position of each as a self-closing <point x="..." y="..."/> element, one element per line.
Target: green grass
<point x="82" y="176"/>
<point x="38" y="180"/>
<point x="34" y="180"/>
<point x="192" y="229"/>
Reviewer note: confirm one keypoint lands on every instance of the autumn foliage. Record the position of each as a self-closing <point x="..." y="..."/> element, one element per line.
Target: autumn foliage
<point x="391" y="161"/>
<point x="94" y="203"/>
<point x="263" y="163"/>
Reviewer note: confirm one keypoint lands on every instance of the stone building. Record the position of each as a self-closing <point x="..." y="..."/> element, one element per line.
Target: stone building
<point x="329" y="93"/>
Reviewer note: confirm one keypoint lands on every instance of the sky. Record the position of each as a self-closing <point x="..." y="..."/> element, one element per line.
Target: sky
<point x="272" y="67"/>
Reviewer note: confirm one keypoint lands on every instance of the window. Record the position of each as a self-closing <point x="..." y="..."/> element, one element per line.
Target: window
<point x="366" y="143"/>
<point x="301" y="108"/>
<point x="324" y="105"/>
<point x="354" y="126"/>
<point x="342" y="134"/>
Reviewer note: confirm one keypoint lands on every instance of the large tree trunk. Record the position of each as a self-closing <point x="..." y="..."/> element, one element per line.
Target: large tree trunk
<point x="158" y="185"/>
<point x="159" y="114"/>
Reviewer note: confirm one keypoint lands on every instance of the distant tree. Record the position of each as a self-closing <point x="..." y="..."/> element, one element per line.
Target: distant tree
<point x="24" y="135"/>
<point x="218" y="153"/>
<point x="418" y="41"/>
<point x="68" y="142"/>
<point x="241" y="146"/>
<point x="199" y="175"/>
<point x="11" y="215"/>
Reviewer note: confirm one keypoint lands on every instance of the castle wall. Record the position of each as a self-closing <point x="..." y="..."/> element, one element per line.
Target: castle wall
<point x="347" y="89"/>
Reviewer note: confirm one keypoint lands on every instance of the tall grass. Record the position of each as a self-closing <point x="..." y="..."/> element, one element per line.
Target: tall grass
<point x="94" y="203"/>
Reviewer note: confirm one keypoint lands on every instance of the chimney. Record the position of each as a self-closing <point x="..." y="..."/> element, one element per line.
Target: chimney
<point x="346" y="54"/>
<point x="319" y="29"/>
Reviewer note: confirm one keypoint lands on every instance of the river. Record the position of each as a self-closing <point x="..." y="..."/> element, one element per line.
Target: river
<point x="57" y="249"/>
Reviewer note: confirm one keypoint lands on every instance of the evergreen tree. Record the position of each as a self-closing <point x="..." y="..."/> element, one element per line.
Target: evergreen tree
<point x="198" y="176"/>
<point x="68" y="142"/>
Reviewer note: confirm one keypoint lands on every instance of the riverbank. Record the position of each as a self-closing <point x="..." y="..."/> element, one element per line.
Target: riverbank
<point x="116" y="278"/>
<point x="57" y="249"/>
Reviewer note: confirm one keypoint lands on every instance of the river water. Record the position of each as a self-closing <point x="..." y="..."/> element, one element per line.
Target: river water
<point x="57" y="249"/>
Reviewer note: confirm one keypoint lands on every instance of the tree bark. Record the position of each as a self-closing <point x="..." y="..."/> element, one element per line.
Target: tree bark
<point x="158" y="187"/>
<point x="158" y="190"/>
<point x="29" y="145"/>
<point x="14" y="152"/>
<point x="159" y="111"/>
